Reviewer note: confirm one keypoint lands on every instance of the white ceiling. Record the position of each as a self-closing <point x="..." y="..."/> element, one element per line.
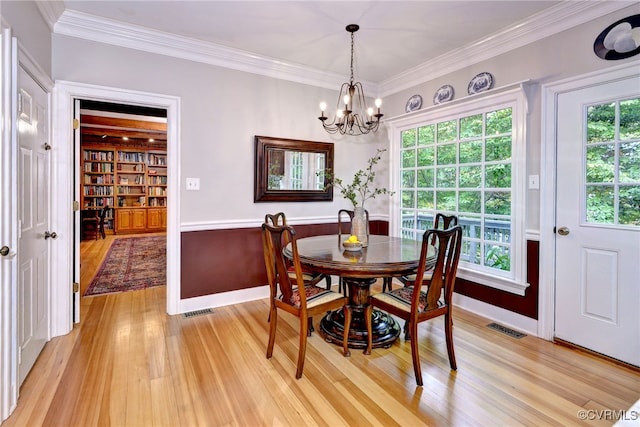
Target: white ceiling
<point x="394" y="38"/>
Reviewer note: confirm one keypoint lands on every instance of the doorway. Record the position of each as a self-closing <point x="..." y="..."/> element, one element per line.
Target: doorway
<point x="123" y="195"/>
<point x="589" y="266"/>
<point x="65" y="95"/>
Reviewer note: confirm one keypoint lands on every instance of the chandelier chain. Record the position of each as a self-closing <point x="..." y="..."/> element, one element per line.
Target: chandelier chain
<point x="352" y="49"/>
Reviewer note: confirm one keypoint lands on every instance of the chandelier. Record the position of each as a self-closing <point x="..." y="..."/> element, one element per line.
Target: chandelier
<point x="352" y="115"/>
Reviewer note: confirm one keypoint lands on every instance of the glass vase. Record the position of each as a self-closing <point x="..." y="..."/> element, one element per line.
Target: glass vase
<point x="359" y="225"/>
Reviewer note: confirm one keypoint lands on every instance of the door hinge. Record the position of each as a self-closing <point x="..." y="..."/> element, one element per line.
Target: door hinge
<point x="76" y="206"/>
<point x="76" y="123"/>
<point x="76" y="287"/>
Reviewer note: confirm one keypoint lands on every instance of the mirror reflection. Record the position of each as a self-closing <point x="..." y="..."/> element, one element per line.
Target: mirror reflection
<point x="295" y="170"/>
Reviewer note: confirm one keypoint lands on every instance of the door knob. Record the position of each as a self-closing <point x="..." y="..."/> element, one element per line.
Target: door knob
<point x="52" y="235"/>
<point x="563" y="231"/>
<point x="4" y="251"/>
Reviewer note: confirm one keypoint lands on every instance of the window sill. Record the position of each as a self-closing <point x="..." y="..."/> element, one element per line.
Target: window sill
<point x="497" y="282"/>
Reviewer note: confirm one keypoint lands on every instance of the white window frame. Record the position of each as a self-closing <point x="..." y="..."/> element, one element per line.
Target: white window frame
<point x="513" y="96"/>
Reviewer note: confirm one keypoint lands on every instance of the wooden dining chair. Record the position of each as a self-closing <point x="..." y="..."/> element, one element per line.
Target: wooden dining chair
<point x="101" y="221"/>
<point x="292" y="294"/>
<point x="90" y="224"/>
<point x="440" y="222"/>
<point x="310" y="277"/>
<point x="414" y="305"/>
<point x="343" y="213"/>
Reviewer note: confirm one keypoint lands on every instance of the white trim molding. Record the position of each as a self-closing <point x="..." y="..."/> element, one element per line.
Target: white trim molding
<point x="516" y="96"/>
<point x="257" y="223"/>
<point x="63" y="169"/>
<point x="561" y="17"/>
<point x="497" y="314"/>
<point x="224" y="298"/>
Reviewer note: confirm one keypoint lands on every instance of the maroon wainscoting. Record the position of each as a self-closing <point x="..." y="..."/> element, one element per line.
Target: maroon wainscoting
<point x="526" y="305"/>
<point x="215" y="261"/>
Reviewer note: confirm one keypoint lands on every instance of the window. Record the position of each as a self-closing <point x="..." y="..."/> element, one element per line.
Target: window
<point x="467" y="159"/>
<point x="304" y="170"/>
<point x="612" y="162"/>
<point x="294" y="168"/>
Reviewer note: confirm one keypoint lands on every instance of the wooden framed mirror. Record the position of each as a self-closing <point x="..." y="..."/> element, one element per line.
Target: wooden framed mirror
<point x="291" y="170"/>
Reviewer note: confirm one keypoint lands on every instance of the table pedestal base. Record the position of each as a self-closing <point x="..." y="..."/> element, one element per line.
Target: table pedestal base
<point x="385" y="329"/>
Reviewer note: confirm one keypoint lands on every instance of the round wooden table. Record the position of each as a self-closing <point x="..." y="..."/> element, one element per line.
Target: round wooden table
<point x="385" y="256"/>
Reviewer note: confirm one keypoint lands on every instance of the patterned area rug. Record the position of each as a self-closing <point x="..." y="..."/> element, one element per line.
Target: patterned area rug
<point x="132" y="263"/>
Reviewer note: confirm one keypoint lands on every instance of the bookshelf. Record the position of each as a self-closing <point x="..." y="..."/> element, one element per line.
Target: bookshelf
<point x="131" y="180"/>
<point x="98" y="177"/>
<point x="157" y="179"/>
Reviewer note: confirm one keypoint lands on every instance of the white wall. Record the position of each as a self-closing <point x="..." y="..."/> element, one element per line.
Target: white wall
<point x="221" y="112"/>
<point x="563" y="55"/>
<point x="30" y="29"/>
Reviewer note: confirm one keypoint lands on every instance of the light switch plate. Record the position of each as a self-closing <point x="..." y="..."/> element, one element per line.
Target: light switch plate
<point x="534" y="182"/>
<point x="193" y="184"/>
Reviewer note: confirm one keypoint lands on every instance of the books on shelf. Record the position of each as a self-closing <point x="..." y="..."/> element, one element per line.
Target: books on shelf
<point x="124" y="178"/>
<point x="130" y="157"/>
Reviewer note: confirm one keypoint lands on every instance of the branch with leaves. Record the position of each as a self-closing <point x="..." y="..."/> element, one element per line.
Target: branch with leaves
<point x="361" y="188"/>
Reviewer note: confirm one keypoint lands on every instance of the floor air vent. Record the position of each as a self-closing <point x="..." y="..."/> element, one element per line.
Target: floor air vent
<point x="506" y="331"/>
<point x="197" y="313"/>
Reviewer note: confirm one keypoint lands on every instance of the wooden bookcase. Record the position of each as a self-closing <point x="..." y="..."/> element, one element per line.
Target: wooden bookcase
<point x="98" y="177"/>
<point x="131" y="180"/>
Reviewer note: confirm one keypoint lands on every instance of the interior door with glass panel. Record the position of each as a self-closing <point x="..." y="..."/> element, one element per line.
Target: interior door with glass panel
<point x="597" y="286"/>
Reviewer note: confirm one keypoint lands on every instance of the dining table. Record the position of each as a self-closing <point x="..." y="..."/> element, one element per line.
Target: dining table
<point x="384" y="256"/>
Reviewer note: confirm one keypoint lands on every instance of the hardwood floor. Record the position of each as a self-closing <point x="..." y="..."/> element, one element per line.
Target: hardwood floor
<point x="130" y="364"/>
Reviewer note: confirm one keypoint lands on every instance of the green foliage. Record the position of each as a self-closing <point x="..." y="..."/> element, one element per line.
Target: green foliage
<point x="408" y="138"/>
<point x="471" y="127"/>
<point x="497" y="257"/>
<point x="613" y="163"/>
<point x="498" y="122"/>
<point x="361" y="188"/>
<point x="447" y="154"/>
<point x="463" y="166"/>
<point x="447" y="131"/>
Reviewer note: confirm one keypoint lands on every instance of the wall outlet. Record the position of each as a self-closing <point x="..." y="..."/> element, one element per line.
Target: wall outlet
<point x="193" y="184"/>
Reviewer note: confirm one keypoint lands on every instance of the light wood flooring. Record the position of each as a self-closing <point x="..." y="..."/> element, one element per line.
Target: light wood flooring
<point x="130" y="364"/>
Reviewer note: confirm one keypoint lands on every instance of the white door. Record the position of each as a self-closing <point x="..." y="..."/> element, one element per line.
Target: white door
<point x="597" y="283"/>
<point x="33" y="217"/>
<point x="76" y="217"/>
<point x="8" y="224"/>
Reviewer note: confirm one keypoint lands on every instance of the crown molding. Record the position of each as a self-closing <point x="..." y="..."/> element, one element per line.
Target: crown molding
<point x="565" y="15"/>
<point x="89" y="27"/>
<point x="551" y="21"/>
<point x="50" y="11"/>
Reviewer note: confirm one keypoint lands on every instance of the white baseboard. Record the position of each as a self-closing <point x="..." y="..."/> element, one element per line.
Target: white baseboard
<point x="497" y="314"/>
<point x="223" y="298"/>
